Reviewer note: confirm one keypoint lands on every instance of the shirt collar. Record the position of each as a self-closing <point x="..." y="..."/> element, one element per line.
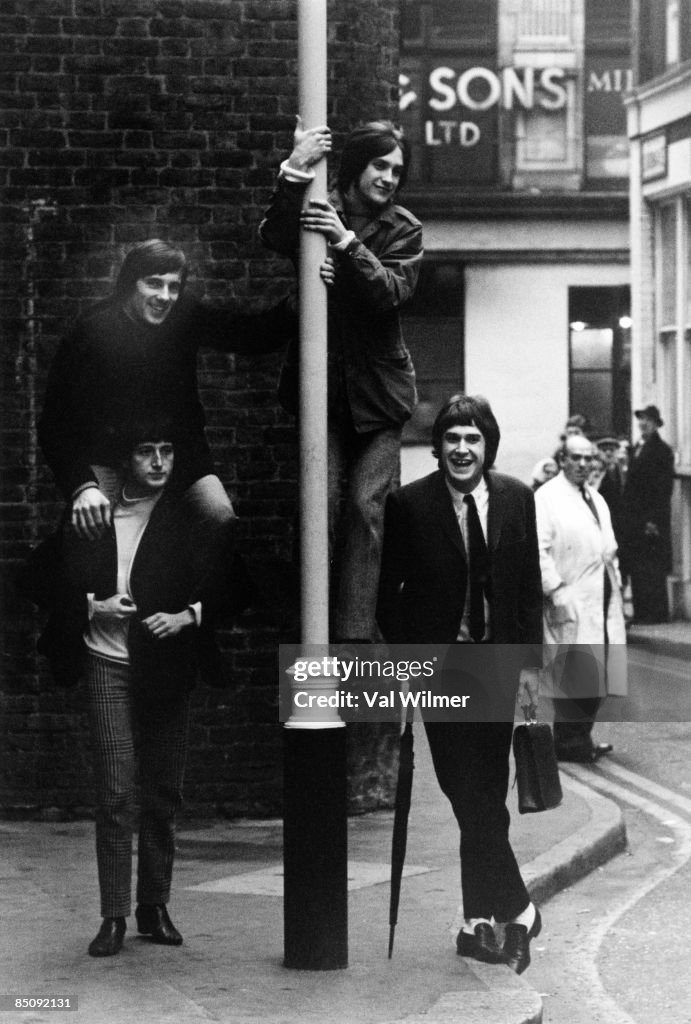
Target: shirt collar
<point x="480" y="493"/>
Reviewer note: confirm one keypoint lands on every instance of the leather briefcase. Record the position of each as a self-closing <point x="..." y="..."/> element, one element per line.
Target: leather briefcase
<point x="537" y="771"/>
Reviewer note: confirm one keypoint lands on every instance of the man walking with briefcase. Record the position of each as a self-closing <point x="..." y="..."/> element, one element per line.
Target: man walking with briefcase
<point x="460" y="567"/>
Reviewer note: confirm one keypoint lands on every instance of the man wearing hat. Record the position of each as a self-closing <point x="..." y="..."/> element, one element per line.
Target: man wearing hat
<point x="647" y="528"/>
<point x="611" y="483"/>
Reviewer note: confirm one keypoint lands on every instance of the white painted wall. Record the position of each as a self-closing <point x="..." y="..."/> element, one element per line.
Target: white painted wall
<point x="516" y="354"/>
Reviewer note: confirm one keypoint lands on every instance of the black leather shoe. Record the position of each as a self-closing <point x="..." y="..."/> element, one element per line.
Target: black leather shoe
<point x="108" y="942"/>
<point x="153" y="920"/>
<point x="481" y="945"/>
<point x="517" y="943"/>
<point x="583" y="755"/>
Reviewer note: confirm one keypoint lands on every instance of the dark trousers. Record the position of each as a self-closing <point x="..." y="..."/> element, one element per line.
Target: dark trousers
<point x="471" y="760"/>
<point x="362" y="470"/>
<point x="124" y="724"/>
<point x="574" y="717"/>
<point x="649" y="588"/>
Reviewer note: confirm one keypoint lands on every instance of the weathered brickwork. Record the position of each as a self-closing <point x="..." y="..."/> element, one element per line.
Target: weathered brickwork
<point x="122" y="120"/>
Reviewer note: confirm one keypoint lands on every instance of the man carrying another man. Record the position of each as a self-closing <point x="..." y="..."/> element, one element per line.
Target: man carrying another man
<point x="135" y="354"/>
<point x="125" y="615"/>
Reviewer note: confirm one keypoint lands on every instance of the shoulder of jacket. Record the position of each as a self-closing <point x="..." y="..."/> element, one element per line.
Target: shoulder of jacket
<point x="417" y="489"/>
<point x="406" y="215"/>
<point x="509" y="483"/>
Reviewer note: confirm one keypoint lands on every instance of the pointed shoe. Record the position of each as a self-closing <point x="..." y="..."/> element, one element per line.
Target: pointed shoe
<point x="481" y="945"/>
<point x="153" y="920"/>
<point x="517" y="943"/>
<point x="108" y="942"/>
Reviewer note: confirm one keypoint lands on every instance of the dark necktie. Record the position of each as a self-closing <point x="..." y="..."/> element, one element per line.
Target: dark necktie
<point x="478" y="571"/>
<point x="591" y="504"/>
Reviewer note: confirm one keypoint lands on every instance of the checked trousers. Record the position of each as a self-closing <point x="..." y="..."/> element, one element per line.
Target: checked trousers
<point x="127" y="727"/>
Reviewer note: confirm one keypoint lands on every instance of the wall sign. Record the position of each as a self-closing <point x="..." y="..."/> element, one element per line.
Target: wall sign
<point x="654" y="157"/>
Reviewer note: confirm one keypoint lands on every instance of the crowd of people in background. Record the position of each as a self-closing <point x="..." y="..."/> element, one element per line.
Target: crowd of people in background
<point x="635" y="481"/>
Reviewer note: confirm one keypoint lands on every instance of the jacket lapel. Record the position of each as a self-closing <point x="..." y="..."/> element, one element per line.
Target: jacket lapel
<point x="446" y="514"/>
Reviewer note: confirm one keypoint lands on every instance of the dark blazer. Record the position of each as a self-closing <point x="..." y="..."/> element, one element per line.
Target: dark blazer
<point x="647" y="498"/>
<point x="424" y="569"/>
<point x="109" y="371"/>
<point x="369" y="367"/>
<point x="163" y="579"/>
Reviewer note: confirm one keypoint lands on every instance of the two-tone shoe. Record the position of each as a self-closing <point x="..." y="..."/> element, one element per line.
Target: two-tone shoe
<point x="517" y="943"/>
<point x="480" y="945"/>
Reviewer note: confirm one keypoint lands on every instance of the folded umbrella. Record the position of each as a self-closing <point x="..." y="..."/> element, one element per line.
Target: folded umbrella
<point x="399" y="839"/>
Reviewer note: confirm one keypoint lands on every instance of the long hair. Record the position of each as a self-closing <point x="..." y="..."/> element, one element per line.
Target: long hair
<point x="146" y="259"/>
<point x="468" y="411"/>
<point x="364" y="144"/>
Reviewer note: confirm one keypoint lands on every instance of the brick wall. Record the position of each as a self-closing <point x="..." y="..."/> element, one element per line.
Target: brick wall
<point x="122" y="120"/>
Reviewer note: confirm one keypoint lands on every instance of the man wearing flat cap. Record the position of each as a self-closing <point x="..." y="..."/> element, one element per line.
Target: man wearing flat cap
<point x="647" y="527"/>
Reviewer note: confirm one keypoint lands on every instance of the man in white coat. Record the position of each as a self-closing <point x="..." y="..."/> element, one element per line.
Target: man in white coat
<point x="583" y="617"/>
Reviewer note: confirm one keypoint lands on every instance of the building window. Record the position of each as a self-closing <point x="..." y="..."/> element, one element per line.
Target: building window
<point x="464" y="22"/>
<point x="600" y="358"/>
<point x="687" y="220"/>
<point x="667" y="327"/>
<point x="545" y="19"/>
<point x="672" y="33"/>
<point x="672" y="266"/>
<point x="664" y="36"/>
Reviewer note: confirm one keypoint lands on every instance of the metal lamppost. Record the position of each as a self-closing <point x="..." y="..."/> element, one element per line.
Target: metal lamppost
<point x="315" y="847"/>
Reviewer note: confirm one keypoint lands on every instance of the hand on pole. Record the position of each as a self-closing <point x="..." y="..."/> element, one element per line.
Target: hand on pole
<point x="327" y="271"/>
<point x="320" y="215"/>
<point x="310" y="145"/>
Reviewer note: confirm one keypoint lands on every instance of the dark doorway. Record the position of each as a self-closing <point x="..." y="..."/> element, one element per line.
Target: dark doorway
<point x="600" y="358"/>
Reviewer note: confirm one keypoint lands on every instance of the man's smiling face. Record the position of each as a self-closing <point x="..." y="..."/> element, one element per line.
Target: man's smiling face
<point x="377" y="184"/>
<point x="462" y="457"/>
<point x="154" y="297"/>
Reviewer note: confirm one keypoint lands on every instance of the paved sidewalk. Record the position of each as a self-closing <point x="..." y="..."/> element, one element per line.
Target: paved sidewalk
<point x="227" y="901"/>
<point x="665" y="638"/>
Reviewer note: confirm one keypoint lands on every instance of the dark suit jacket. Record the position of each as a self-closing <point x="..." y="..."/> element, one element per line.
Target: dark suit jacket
<point x="647" y="498"/>
<point x="163" y="579"/>
<point x="110" y="371"/>
<point x="424" y="568"/>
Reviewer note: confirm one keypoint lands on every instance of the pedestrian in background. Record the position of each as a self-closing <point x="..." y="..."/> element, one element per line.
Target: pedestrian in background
<point x="647" y="535"/>
<point x="543" y="470"/>
<point x="611" y="486"/>
<point x="461" y="567"/>
<point x="375" y="251"/>
<point x="575" y="424"/>
<point x="583" y="618"/>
